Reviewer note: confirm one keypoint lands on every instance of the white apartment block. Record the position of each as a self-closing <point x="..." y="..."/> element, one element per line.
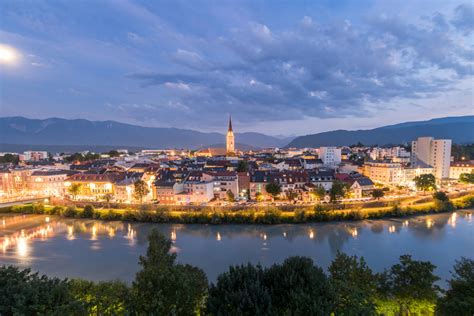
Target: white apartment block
<point x="35" y="155"/>
<point x="432" y="152"/>
<point x="331" y="156"/>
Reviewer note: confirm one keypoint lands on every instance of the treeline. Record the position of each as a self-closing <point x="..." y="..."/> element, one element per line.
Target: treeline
<point x="269" y="215"/>
<point x="295" y="287"/>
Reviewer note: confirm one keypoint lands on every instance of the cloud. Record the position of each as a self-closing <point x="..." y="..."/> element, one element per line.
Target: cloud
<point x="335" y="69"/>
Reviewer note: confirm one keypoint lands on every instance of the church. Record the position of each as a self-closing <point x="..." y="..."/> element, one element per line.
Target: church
<point x="230" y="139"/>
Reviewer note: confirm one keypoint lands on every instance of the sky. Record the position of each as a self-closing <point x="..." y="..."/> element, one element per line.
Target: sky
<point x="278" y="67"/>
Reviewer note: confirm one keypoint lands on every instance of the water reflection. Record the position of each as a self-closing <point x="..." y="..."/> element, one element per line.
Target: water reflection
<point x="34" y="240"/>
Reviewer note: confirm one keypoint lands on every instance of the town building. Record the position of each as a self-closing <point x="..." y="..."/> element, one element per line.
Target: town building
<point x="432" y="152"/>
<point x="331" y="156"/>
<point x="460" y="167"/>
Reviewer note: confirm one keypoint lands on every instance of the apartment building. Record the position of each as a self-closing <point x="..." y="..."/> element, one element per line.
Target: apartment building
<point x="432" y="152"/>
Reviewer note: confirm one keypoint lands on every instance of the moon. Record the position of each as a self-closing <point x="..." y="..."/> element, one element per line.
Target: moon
<point x="8" y="55"/>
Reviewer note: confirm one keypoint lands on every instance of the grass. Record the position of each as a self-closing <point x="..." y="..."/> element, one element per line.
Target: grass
<point x="253" y="215"/>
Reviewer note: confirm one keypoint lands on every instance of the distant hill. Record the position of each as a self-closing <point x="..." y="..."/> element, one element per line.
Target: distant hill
<point x="80" y="132"/>
<point x="460" y="129"/>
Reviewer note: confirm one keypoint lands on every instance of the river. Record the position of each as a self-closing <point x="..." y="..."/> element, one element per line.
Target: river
<point x="100" y="250"/>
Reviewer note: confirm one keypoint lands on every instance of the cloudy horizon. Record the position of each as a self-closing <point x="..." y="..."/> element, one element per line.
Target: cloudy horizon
<point x="281" y="68"/>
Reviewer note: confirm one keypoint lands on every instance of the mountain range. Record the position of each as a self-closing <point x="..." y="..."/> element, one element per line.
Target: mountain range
<point x="460" y="129"/>
<point x="79" y="132"/>
<point x="19" y="133"/>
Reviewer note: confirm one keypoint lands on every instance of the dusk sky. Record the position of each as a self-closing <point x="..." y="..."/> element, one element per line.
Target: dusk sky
<point x="287" y="68"/>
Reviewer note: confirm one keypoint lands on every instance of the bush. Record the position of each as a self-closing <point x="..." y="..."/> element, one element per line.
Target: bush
<point x="70" y="211"/>
<point x="87" y="212"/>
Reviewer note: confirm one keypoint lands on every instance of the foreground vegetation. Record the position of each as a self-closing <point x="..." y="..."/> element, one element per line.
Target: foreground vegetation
<point x="258" y="215"/>
<point x="295" y="287"/>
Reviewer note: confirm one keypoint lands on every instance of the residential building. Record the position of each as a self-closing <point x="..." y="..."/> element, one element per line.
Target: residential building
<point x="331" y="156"/>
<point x="49" y="182"/>
<point x="460" y="167"/>
<point x="432" y="152"/>
<point x="362" y="187"/>
<point x="35" y="155"/>
<point x="94" y="186"/>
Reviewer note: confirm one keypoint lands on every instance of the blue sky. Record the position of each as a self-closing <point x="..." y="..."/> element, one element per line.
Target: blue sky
<point x="279" y="67"/>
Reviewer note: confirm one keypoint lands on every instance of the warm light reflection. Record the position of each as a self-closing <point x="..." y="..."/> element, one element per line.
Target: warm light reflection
<point x="311" y="234"/>
<point x="264" y="236"/>
<point x="429" y="223"/>
<point x="47" y="219"/>
<point x="70" y="233"/>
<point x="452" y="220"/>
<point x="284" y="234"/>
<point x="94" y="232"/>
<point x="218" y="236"/>
<point x="111" y="232"/>
<point x="391" y="229"/>
<point x="173" y="235"/>
<point x="405" y="224"/>
<point x="354" y="232"/>
<point x="22" y="246"/>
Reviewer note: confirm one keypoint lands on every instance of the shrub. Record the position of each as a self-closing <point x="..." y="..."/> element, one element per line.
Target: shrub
<point x="70" y="211"/>
<point x="87" y="212"/>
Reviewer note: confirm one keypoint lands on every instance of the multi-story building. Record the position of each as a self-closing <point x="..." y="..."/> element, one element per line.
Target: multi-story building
<point x="432" y="152"/>
<point x="94" y="186"/>
<point x="460" y="167"/>
<point x="224" y="181"/>
<point x="195" y="192"/>
<point x="49" y="182"/>
<point x="35" y="155"/>
<point x="331" y="156"/>
<point x="383" y="172"/>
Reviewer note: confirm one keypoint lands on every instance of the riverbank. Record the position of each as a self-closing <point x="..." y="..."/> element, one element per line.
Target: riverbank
<point x="269" y="215"/>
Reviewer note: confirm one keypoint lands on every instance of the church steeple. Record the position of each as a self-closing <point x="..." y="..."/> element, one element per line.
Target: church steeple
<point x="230" y="140"/>
<point x="230" y="124"/>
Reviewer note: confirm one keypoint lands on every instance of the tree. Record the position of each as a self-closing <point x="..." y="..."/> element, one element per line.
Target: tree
<point x="107" y="198"/>
<point x="425" y="182"/>
<point x="242" y="166"/>
<point x="259" y="196"/>
<point x="113" y="153"/>
<point x="140" y="190"/>
<point x="466" y="178"/>
<point x="298" y="287"/>
<point x="9" y="158"/>
<point x="26" y="293"/>
<point x="240" y="291"/>
<point x="354" y="285"/>
<point x="459" y="298"/>
<point x="163" y="287"/>
<point x="291" y="195"/>
<point x="102" y="298"/>
<point x="377" y="193"/>
<point x="230" y="196"/>
<point x="88" y="211"/>
<point x="442" y="202"/>
<point x="318" y="193"/>
<point x="274" y="189"/>
<point x="338" y="190"/>
<point x="74" y="190"/>
<point x="411" y="284"/>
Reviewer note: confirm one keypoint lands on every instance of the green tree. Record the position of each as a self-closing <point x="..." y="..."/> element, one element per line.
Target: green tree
<point x="163" y="287"/>
<point x="74" y="190"/>
<point x="102" y="298"/>
<point x="291" y="195"/>
<point x="26" y="293"/>
<point x="377" y="193"/>
<point x="242" y="166"/>
<point x="442" y="202"/>
<point x="425" y="182"/>
<point x="298" y="287"/>
<point x="140" y="190"/>
<point x="318" y="193"/>
<point x="113" y="153"/>
<point x="230" y="196"/>
<point x="354" y="284"/>
<point x="88" y="211"/>
<point x="240" y="291"/>
<point x="338" y="190"/>
<point x="466" y="178"/>
<point x="9" y="158"/>
<point x="411" y="284"/>
<point x="274" y="189"/>
<point x="459" y="298"/>
<point x="107" y="198"/>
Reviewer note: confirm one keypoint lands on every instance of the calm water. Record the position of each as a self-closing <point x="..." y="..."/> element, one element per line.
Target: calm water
<point x="99" y="250"/>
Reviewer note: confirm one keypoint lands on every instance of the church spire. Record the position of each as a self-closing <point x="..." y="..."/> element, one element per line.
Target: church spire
<point x="230" y="124"/>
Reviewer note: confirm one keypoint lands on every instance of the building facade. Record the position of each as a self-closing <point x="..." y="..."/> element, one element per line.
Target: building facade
<point x="230" y="139"/>
<point x="432" y="152"/>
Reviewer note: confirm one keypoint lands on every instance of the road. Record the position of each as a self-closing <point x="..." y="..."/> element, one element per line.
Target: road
<point x="12" y="203"/>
